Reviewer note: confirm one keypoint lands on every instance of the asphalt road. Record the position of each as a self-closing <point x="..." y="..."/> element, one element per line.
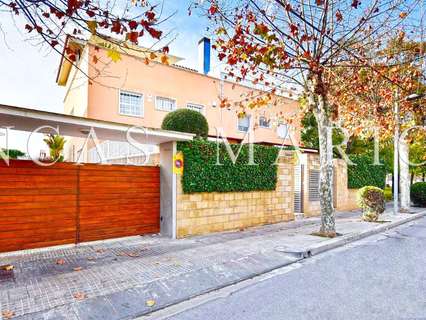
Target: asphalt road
<point x="381" y="277"/>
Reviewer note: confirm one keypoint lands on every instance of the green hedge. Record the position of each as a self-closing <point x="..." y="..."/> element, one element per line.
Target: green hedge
<point x="418" y="194"/>
<point x="365" y="173"/>
<point x="201" y="174"/>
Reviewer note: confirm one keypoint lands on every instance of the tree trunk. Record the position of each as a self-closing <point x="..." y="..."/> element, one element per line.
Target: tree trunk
<point x="326" y="175"/>
<point x="318" y="104"/>
<point x="412" y="178"/>
<point x="423" y="176"/>
<point x="404" y="176"/>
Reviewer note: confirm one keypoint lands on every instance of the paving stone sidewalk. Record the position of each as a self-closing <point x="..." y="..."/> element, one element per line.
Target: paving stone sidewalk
<point x="115" y="279"/>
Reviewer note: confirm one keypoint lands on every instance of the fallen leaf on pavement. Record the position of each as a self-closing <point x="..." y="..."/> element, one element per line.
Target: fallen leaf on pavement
<point x="150" y="303"/>
<point x="80" y="296"/>
<point x="100" y="250"/>
<point x="60" y="261"/>
<point x="78" y="269"/>
<point x="7" y="314"/>
<point x="91" y="258"/>
<point x="7" y="267"/>
<point x="133" y="254"/>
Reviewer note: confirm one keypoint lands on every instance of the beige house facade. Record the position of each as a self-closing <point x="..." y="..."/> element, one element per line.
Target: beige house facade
<point x="133" y="92"/>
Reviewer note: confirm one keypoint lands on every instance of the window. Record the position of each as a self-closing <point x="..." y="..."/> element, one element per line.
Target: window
<point x="165" y="104"/>
<point x="282" y="130"/>
<point x="244" y="123"/>
<point x="196" y="107"/>
<point x="131" y="104"/>
<point x="264" y="122"/>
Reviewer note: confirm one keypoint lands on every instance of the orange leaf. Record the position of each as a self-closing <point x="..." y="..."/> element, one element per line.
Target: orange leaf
<point x="60" y="261"/>
<point x="7" y="267"/>
<point x="7" y="314"/>
<point x="164" y="59"/>
<point x="78" y="269"/>
<point x="80" y="296"/>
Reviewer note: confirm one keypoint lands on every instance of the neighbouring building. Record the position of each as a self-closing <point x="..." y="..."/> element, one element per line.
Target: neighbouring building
<point x="132" y="92"/>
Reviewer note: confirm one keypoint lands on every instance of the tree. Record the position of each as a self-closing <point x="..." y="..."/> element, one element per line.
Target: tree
<point x="281" y="42"/>
<point x="50" y="22"/>
<point x="368" y="99"/>
<point x="309" y="134"/>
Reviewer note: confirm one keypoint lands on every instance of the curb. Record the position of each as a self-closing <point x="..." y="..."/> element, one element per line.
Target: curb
<point x="332" y="244"/>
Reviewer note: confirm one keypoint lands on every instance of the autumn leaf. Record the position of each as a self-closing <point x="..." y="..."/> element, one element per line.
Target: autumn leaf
<point x="133" y="36"/>
<point x="152" y="56"/>
<point x="60" y="261"/>
<point x="156" y="34"/>
<point x="356" y="3"/>
<point x="92" y="26"/>
<point x="403" y="15"/>
<point x="339" y="16"/>
<point x="133" y="254"/>
<point x="78" y="269"/>
<point x="213" y="9"/>
<point x="95" y="59"/>
<point x="7" y="267"/>
<point x="164" y="59"/>
<point x="28" y="27"/>
<point x="133" y="25"/>
<point x="150" y="303"/>
<point x="80" y="296"/>
<point x="7" y="314"/>
<point x="114" y="55"/>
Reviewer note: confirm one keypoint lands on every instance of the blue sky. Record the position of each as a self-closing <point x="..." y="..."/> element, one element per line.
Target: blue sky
<point x="28" y="72"/>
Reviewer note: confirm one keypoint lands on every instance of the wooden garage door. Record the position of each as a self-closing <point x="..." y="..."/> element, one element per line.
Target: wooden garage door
<point x="38" y="205"/>
<point x="118" y="201"/>
<point x="66" y="203"/>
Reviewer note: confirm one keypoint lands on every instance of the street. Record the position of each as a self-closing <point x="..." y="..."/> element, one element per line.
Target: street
<point x="381" y="277"/>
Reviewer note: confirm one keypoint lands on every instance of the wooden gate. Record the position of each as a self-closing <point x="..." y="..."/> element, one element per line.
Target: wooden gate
<point x="67" y="203"/>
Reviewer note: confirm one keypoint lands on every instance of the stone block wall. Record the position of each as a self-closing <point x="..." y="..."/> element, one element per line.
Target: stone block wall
<point x="202" y="213"/>
<point x="344" y="198"/>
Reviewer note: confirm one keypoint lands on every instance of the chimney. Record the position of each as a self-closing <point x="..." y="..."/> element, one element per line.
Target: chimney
<point x="204" y="49"/>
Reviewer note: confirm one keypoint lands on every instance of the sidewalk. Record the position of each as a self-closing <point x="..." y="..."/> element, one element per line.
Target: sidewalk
<point x="134" y="276"/>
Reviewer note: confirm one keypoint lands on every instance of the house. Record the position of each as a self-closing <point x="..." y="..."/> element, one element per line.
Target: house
<point x="132" y="92"/>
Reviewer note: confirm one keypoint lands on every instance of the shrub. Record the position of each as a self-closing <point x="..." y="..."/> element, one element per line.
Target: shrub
<point x="388" y="194"/>
<point x="365" y="173"/>
<point x="372" y="201"/>
<point x="201" y="174"/>
<point x="418" y="194"/>
<point x="185" y="120"/>
<point x="13" y="153"/>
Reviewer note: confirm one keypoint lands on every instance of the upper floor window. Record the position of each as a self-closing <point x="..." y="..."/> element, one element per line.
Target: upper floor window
<point x="244" y="123"/>
<point x="131" y="104"/>
<point x="196" y="107"/>
<point x="165" y="104"/>
<point x="282" y="130"/>
<point x="264" y="122"/>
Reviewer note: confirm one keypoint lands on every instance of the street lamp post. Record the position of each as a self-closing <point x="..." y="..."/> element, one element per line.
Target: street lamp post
<point x="396" y="155"/>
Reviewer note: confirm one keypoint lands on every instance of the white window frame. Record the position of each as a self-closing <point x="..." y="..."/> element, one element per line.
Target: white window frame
<point x="238" y="124"/>
<point x="196" y="105"/>
<point x="141" y="115"/>
<point x="162" y="97"/>
<point x="288" y="130"/>
<point x="269" y="123"/>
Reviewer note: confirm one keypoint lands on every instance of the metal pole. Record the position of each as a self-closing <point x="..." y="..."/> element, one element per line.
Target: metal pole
<point x="396" y="154"/>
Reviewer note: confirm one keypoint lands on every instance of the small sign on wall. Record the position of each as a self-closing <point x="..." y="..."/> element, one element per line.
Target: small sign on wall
<point x="178" y="163"/>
